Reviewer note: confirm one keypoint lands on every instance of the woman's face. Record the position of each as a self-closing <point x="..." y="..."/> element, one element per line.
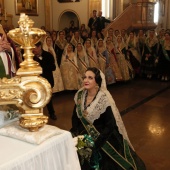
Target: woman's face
<point x="88" y="44"/>
<point x="123" y="32"/>
<point x="141" y="32"/>
<point x="61" y="35"/>
<point x="162" y="32"/>
<point x="151" y="33"/>
<point x="71" y="33"/>
<point x="89" y="80"/>
<point x="99" y="35"/>
<point x="93" y="33"/>
<point x="54" y="34"/>
<point x="76" y="34"/>
<point x="131" y="35"/>
<point x="108" y="40"/>
<point x="167" y="36"/>
<point x="68" y="38"/>
<point x="110" y="32"/>
<point x="100" y="43"/>
<point x="119" y="39"/>
<point x="48" y="33"/>
<point x="49" y="41"/>
<point x="117" y="33"/>
<point x="69" y="48"/>
<point x="79" y="47"/>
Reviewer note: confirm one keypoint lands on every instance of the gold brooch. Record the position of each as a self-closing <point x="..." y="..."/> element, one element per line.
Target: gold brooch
<point x="85" y="113"/>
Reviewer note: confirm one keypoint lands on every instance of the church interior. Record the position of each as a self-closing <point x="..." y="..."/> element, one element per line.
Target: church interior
<point x="143" y="102"/>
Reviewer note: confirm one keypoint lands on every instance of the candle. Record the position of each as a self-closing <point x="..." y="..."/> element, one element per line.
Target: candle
<point x="5" y="13"/>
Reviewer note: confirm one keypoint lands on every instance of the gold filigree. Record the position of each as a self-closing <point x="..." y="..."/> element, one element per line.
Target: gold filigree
<point x="10" y="94"/>
<point x="27" y="36"/>
<point x="10" y="81"/>
<point x="28" y="90"/>
<point x="33" y="123"/>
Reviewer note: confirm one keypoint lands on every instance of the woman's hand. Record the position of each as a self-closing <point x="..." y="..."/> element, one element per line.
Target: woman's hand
<point x="6" y="46"/>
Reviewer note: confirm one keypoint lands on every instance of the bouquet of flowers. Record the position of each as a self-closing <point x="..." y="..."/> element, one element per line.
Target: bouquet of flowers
<point x="86" y="150"/>
<point x="8" y="114"/>
<point x="84" y="147"/>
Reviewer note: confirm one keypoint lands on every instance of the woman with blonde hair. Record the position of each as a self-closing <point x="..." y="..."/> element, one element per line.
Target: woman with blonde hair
<point x="82" y="58"/>
<point x="91" y="52"/>
<point x="76" y="38"/>
<point x="124" y="65"/>
<point x="110" y="33"/>
<point x="69" y="69"/>
<point x="58" y="82"/>
<point x="103" y="57"/>
<point x="113" y="59"/>
<point x="60" y="44"/>
<point x="93" y="37"/>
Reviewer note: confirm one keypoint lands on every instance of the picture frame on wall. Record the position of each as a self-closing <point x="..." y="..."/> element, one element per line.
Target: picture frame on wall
<point x="1" y="7"/>
<point x="61" y="1"/>
<point x="29" y="7"/>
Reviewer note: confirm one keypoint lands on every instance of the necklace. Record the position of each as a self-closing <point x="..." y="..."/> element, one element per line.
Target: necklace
<point x="87" y="105"/>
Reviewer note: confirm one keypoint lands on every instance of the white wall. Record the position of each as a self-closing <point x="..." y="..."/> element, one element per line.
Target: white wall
<point x="38" y="20"/>
<point x="80" y="8"/>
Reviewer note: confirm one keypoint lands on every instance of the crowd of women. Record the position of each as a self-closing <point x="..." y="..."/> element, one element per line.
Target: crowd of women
<point x="120" y="56"/>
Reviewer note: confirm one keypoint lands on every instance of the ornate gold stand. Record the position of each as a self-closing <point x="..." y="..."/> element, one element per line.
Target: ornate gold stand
<point x="28" y="90"/>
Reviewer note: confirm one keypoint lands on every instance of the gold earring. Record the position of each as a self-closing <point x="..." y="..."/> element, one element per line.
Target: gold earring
<point x="97" y="87"/>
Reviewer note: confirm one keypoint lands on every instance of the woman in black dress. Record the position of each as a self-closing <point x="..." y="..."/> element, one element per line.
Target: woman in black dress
<point x="164" y="58"/>
<point x="150" y="55"/>
<point x="96" y="115"/>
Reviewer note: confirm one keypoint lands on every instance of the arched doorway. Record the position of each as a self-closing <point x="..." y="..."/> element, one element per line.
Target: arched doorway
<point x="68" y="16"/>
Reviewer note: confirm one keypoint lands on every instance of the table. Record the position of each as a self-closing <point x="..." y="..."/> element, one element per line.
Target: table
<point x="56" y="153"/>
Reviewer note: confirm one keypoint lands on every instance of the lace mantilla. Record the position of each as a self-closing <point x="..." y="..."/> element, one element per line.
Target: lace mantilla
<point x="96" y="108"/>
<point x="95" y="112"/>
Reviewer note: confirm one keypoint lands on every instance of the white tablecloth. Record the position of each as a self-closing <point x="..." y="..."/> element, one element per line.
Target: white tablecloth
<point x="57" y="153"/>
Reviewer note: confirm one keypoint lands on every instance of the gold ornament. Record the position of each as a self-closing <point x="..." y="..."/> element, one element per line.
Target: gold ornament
<point x="97" y="87"/>
<point x="28" y="90"/>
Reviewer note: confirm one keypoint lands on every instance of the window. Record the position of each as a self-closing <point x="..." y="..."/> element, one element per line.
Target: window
<point x="106" y="8"/>
<point x="156" y="13"/>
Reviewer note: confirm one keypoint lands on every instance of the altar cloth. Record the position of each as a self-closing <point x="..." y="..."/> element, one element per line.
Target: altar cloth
<point x="56" y="153"/>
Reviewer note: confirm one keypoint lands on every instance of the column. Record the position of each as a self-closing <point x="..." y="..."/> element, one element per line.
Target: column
<point x="48" y="14"/>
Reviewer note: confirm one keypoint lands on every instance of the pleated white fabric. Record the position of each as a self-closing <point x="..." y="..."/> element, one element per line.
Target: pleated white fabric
<point x="56" y="153"/>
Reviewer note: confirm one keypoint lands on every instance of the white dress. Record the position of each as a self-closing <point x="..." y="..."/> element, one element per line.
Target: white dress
<point x="58" y="82"/>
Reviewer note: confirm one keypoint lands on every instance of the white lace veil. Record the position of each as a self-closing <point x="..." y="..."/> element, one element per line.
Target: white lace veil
<point x="134" y="40"/>
<point x="119" y="122"/>
<point x="123" y="44"/>
<point x="83" y="49"/>
<point x="104" y="44"/>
